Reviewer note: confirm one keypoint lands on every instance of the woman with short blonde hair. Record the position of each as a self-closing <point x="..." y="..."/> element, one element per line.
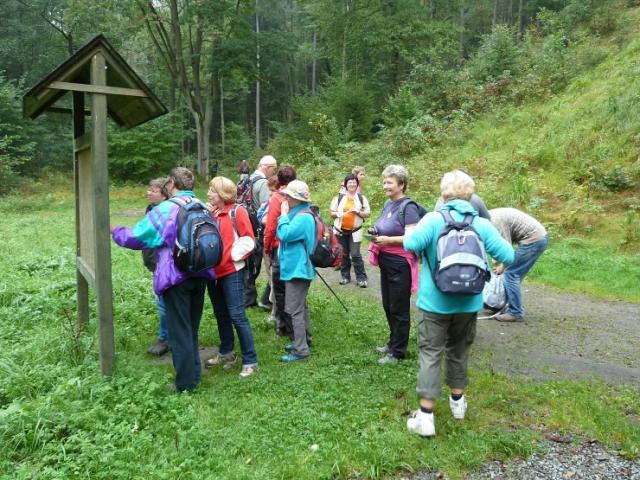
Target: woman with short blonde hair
<point x="226" y="291"/>
<point x="225" y="188"/>
<point x="457" y="184"/>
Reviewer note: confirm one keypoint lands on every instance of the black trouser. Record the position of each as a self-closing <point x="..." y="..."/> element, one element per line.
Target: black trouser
<point x="184" y="304"/>
<point x="285" y="325"/>
<point x="395" y="286"/>
<point x="251" y="272"/>
<point x="351" y="251"/>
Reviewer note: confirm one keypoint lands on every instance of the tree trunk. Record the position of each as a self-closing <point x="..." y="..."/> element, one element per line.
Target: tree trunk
<point x="258" y="79"/>
<point x="461" y="36"/>
<point x="494" y="19"/>
<point x="222" y="131"/>
<point x="520" y="13"/>
<point x="313" y="64"/>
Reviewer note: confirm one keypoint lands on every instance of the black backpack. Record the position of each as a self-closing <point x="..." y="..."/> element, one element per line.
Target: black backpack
<point x="462" y="267"/>
<point x="198" y="244"/>
<point x="422" y="211"/>
<point x="244" y="197"/>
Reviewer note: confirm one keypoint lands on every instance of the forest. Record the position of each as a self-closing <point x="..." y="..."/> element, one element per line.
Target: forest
<point x="538" y="100"/>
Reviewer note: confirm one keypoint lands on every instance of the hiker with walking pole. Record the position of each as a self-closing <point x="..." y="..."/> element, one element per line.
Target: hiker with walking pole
<point x="297" y="233"/>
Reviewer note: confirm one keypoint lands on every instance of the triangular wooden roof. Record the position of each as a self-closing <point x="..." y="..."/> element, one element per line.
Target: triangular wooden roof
<point x="129" y="104"/>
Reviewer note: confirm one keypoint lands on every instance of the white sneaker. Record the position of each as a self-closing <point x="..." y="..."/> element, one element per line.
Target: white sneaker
<point x="458" y="407"/>
<point x="421" y="423"/>
<point x="248" y="371"/>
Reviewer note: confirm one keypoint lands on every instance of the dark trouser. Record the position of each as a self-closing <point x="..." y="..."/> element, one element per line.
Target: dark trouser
<point x="251" y="272"/>
<point x="451" y="335"/>
<point x="351" y="251"/>
<point x="226" y="297"/>
<point x="395" y="286"/>
<point x="184" y="304"/>
<point x="285" y="326"/>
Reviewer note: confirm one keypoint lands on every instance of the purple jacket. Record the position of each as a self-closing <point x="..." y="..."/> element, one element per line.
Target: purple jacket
<point x="158" y="229"/>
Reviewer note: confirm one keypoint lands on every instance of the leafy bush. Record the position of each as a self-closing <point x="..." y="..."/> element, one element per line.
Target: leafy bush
<point x="497" y="55"/>
<point x="16" y="146"/>
<point x="239" y="145"/>
<point x="149" y="150"/>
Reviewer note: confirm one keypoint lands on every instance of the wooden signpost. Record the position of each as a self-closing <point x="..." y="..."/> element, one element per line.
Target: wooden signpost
<point x="114" y="91"/>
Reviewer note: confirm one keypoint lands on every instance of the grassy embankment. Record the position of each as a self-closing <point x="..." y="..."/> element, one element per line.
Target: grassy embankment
<point x="573" y="161"/>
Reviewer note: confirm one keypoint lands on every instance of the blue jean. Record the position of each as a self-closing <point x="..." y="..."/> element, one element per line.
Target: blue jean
<point x="184" y="304"/>
<point x="227" y="298"/>
<point x="524" y="258"/>
<point x="162" y="313"/>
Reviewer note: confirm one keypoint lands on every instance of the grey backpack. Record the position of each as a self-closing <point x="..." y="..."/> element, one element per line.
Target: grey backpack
<point x="462" y="267"/>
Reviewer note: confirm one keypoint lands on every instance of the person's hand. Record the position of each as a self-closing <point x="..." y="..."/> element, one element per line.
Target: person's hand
<point x="382" y="240"/>
<point x="111" y="228"/>
<point x="284" y="208"/>
<point x="499" y="269"/>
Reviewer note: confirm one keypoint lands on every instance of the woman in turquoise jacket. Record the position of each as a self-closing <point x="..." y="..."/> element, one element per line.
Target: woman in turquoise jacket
<point x="297" y="232"/>
<point x="448" y="324"/>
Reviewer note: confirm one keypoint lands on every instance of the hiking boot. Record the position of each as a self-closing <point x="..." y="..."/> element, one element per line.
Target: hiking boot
<point x="293" y="357"/>
<point x="458" y="407"/>
<point x="383" y="350"/>
<point x="509" y="317"/>
<point x="159" y="348"/>
<point x="344" y="281"/>
<point x="226" y="359"/>
<point x="248" y="370"/>
<point x="388" y="359"/>
<point x="362" y="284"/>
<point x="421" y="423"/>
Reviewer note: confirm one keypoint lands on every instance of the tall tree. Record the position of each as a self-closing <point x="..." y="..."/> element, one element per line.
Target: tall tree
<point x="187" y="35"/>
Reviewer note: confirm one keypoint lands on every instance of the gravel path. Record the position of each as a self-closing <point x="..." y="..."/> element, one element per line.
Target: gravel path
<point x="564" y="336"/>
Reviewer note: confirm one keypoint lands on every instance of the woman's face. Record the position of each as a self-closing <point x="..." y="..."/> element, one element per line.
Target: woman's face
<point x="391" y="187"/>
<point x="214" y="198"/>
<point x="352" y="186"/>
<point x="360" y="176"/>
<point x="154" y="195"/>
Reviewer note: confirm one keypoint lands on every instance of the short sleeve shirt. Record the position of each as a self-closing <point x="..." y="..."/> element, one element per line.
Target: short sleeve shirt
<point x="389" y="223"/>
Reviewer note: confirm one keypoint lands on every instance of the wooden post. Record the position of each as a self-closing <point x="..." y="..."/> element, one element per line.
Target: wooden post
<point x="81" y="283"/>
<point x="100" y="175"/>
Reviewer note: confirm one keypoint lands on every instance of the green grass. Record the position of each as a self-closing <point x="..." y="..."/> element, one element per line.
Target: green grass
<point x="59" y="418"/>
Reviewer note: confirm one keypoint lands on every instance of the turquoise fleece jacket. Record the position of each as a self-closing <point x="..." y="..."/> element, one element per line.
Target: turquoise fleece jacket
<point x="297" y="234"/>
<point x="423" y="242"/>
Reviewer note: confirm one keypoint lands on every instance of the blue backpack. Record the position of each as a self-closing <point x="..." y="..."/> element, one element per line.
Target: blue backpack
<point x="198" y="242"/>
<point x="462" y="267"/>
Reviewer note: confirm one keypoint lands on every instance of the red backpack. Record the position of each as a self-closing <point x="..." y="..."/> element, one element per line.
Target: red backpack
<point x="327" y="251"/>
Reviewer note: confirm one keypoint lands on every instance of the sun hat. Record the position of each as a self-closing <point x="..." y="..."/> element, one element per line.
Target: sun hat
<point x="298" y="190"/>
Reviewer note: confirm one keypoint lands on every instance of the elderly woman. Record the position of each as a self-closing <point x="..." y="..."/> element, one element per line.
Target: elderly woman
<point x="297" y="233"/>
<point x="398" y="267"/>
<point x="349" y="210"/>
<point x="226" y="291"/>
<point x="448" y="324"/>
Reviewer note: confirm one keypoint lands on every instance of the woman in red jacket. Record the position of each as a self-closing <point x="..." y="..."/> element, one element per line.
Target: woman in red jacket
<point x="226" y="291"/>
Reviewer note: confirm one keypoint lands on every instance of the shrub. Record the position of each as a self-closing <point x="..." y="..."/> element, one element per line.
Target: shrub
<point x="146" y="151"/>
<point x="497" y="55"/>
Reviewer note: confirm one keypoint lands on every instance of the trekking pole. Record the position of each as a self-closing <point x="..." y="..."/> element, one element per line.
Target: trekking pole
<point x="331" y="290"/>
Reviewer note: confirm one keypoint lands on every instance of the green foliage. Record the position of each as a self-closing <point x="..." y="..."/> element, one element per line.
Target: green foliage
<point x="16" y="146"/>
<point x="497" y="56"/>
<point x="147" y="151"/>
<point x="238" y="146"/>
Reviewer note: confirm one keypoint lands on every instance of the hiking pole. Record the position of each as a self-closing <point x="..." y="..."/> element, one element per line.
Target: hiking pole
<point x="331" y="290"/>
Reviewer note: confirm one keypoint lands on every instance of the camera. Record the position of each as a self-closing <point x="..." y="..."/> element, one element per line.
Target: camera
<point x="373" y="231"/>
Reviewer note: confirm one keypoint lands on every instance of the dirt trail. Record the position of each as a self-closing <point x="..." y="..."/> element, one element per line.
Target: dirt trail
<point x="564" y="336"/>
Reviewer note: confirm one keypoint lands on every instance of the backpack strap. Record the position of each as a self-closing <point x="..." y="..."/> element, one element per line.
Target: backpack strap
<point x="232" y="214"/>
<point x="402" y="209"/>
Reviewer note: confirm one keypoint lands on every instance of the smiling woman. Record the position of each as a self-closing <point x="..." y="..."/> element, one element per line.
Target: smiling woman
<point x="398" y="268"/>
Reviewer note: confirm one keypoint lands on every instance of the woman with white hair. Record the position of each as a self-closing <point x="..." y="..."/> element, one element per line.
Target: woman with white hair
<point x="398" y="267"/>
<point x="448" y="324"/>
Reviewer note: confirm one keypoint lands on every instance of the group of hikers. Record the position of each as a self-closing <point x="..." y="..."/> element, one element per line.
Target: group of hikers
<point x="268" y="218"/>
